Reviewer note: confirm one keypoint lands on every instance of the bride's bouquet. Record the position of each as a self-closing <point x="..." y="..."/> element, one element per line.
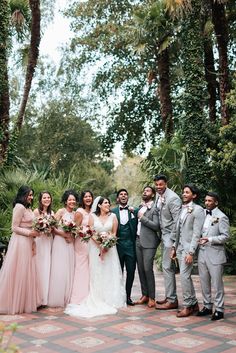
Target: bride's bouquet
<point x="85" y="233"/>
<point x="69" y="227"/>
<point x="44" y="224"/>
<point x="106" y="240"/>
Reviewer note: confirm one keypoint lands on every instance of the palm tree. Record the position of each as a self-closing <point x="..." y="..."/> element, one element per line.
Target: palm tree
<point x="19" y="10"/>
<point x="219" y="20"/>
<point x="221" y="31"/>
<point x="155" y="27"/>
<point x="4" y="87"/>
<point x="32" y="57"/>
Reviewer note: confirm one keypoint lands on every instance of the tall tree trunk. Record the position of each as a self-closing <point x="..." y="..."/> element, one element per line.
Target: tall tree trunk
<point x="4" y="86"/>
<point x="32" y="59"/>
<point x="209" y="62"/>
<point x="221" y="30"/>
<point x="164" y="92"/>
<point x="194" y="119"/>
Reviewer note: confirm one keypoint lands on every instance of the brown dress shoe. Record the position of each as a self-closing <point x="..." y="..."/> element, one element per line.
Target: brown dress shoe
<point x="151" y="303"/>
<point x="142" y="300"/>
<point x="161" y="301"/>
<point x="195" y="308"/>
<point x="187" y="311"/>
<point x="167" y="306"/>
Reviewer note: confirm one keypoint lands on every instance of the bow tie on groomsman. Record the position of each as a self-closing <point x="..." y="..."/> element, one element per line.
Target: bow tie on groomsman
<point x="124" y="208"/>
<point x="208" y="212"/>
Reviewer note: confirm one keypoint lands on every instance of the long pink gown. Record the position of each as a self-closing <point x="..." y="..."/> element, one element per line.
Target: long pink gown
<point x="81" y="277"/>
<point x="19" y="288"/>
<point x="43" y="261"/>
<point x="62" y="268"/>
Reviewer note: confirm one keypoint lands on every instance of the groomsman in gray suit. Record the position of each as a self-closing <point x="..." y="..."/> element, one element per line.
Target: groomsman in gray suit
<point x="211" y="257"/>
<point x="189" y="230"/>
<point x="168" y="204"/>
<point x="147" y="242"/>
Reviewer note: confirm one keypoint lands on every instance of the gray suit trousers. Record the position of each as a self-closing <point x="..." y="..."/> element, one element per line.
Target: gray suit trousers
<point x="169" y="275"/>
<point x="145" y="258"/>
<point x="188" y="291"/>
<point x="211" y="274"/>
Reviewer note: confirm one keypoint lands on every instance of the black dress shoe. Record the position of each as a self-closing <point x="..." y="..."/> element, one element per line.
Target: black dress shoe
<point x="204" y="312"/>
<point x="130" y="302"/>
<point x="218" y="315"/>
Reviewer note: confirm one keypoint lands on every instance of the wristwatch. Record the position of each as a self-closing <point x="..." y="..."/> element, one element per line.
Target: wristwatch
<point x="190" y="253"/>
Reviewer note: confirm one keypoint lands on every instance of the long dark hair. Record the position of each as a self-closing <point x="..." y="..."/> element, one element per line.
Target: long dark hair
<point x="40" y="207"/>
<point x="66" y="195"/>
<point x="22" y="195"/>
<point x="98" y="210"/>
<point x="81" y="200"/>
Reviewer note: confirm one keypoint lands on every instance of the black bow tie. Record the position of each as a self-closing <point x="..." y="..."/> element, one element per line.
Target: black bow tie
<point x="209" y="212"/>
<point x="124" y="208"/>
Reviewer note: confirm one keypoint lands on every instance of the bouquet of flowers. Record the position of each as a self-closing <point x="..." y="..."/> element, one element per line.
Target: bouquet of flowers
<point x="85" y="233"/>
<point x="106" y="240"/>
<point x="44" y="223"/>
<point x="69" y="226"/>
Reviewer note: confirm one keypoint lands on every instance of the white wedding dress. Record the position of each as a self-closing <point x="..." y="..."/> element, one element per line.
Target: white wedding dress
<point x="106" y="292"/>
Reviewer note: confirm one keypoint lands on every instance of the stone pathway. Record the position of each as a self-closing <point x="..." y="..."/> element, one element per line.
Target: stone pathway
<point x="135" y="329"/>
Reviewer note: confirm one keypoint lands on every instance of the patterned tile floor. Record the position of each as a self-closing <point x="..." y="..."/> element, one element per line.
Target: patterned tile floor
<point x="135" y="329"/>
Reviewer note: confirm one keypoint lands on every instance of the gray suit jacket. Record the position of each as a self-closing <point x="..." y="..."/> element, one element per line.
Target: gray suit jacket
<point x="189" y="229"/>
<point x="149" y="238"/>
<point x="218" y="232"/>
<point x="169" y="213"/>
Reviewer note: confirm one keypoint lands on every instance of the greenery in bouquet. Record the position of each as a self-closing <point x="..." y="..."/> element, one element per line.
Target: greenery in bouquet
<point x="45" y="224"/>
<point x="6" y="333"/>
<point x="69" y="227"/>
<point x="106" y="239"/>
<point x="85" y="233"/>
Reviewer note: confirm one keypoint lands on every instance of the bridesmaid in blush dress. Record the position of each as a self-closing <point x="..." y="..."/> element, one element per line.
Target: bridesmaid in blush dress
<point x="19" y="288"/>
<point x="44" y="245"/>
<point x="63" y="257"/>
<point x="81" y="278"/>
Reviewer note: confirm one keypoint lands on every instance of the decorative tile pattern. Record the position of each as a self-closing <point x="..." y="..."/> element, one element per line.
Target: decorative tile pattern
<point x="136" y="342"/>
<point x="187" y="342"/>
<point x="133" y="318"/>
<point x="8" y="318"/>
<point x="46" y="329"/>
<point x="135" y="329"/>
<point x="39" y="342"/>
<point x="87" y="342"/>
<point x="224" y="330"/>
<point x="90" y="328"/>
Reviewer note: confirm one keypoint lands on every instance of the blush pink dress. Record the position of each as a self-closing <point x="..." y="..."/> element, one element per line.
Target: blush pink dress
<point x="81" y="278"/>
<point x="19" y="288"/>
<point x="62" y="268"/>
<point x="43" y="260"/>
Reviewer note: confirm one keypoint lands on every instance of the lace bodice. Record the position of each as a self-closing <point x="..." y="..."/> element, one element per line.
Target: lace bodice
<point x="103" y="227"/>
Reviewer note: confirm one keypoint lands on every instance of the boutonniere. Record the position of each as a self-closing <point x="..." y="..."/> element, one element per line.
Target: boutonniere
<point x="215" y="220"/>
<point x="190" y="210"/>
<point x="131" y="209"/>
<point x="162" y="199"/>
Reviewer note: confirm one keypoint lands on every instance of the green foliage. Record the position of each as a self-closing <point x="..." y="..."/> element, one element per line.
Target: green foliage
<point x="5" y="340"/>
<point x="194" y="119"/>
<point x="90" y="176"/>
<point x="223" y="159"/>
<point x="169" y="158"/>
<point x="231" y="251"/>
<point x="20" y="17"/>
<point x="57" y="138"/>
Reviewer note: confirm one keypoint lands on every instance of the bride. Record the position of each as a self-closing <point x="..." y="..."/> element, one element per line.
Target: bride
<point x="106" y="292"/>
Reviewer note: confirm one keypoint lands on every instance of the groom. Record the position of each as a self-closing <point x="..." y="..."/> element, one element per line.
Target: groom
<point x="127" y="229"/>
